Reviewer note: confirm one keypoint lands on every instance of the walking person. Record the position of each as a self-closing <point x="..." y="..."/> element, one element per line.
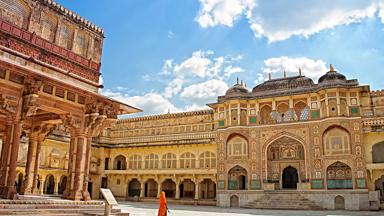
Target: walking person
<point x="163" y="209"/>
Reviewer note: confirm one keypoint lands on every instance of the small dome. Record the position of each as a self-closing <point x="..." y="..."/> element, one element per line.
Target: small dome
<point x="332" y="76"/>
<point x="236" y="90"/>
<point x="285" y="84"/>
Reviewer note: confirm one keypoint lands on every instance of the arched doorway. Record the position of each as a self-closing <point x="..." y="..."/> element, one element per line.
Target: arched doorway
<point x="378" y="152"/>
<point x="62" y="184"/>
<point x="280" y="153"/>
<point x="49" y="184"/>
<point x="169" y="187"/>
<point x="339" y="203"/>
<point x="150" y="188"/>
<point x="234" y="201"/>
<point x="290" y="178"/>
<point x="134" y="188"/>
<point x="187" y="189"/>
<point x="19" y="182"/>
<point x="237" y="178"/>
<point x="207" y="189"/>
<point x="339" y="176"/>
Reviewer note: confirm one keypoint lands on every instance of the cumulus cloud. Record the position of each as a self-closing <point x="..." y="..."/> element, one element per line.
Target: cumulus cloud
<point x="223" y="12"/>
<point x="196" y="70"/>
<point x="283" y="19"/>
<point x="204" y="92"/>
<point x="150" y="103"/>
<point x="309" y="67"/>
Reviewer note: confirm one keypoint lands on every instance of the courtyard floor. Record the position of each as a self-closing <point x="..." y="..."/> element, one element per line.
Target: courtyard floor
<point x="150" y="209"/>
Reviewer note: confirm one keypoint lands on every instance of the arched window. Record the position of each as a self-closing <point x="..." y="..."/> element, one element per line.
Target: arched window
<point x="134" y="162"/>
<point x="207" y="160"/>
<point x="187" y="160"/>
<point x="265" y="114"/>
<point x="237" y="147"/>
<point x="378" y="152"/>
<point x="336" y="141"/>
<point x="152" y="161"/>
<point x="339" y="176"/>
<point x="168" y="161"/>
<point x="16" y="12"/>
<point x="301" y="110"/>
<point x="120" y="163"/>
<point x="65" y="36"/>
<point x="48" y="27"/>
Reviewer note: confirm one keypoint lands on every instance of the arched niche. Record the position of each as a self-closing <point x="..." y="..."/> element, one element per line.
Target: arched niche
<point x="378" y="152"/>
<point x="237" y="147"/>
<point x="237" y="178"/>
<point x="339" y="176"/>
<point x="120" y="163"/>
<point x="336" y="141"/>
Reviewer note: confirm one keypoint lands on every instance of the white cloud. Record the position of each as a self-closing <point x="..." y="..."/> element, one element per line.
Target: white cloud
<point x="150" y="103"/>
<point x="309" y="67"/>
<point x="204" y="92"/>
<point x="381" y="12"/>
<point x="283" y="19"/>
<point x="173" y="87"/>
<point x="229" y="70"/>
<point x="223" y="12"/>
<point x="198" y="65"/>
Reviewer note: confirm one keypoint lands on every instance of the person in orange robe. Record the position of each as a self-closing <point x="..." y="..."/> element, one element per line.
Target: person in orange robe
<point x="163" y="205"/>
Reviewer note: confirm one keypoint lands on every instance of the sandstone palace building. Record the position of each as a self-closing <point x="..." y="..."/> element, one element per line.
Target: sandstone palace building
<point x="290" y="141"/>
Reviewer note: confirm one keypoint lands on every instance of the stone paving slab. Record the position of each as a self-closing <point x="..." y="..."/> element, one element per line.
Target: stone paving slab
<point x="150" y="209"/>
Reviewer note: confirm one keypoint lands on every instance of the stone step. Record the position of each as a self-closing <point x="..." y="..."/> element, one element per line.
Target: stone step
<point x="282" y="200"/>
<point x="56" y="211"/>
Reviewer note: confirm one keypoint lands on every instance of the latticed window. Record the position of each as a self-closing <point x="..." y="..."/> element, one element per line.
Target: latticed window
<point x="152" y="161"/>
<point x="134" y="162"/>
<point x="48" y="27"/>
<point x="66" y="36"/>
<point x="15" y="12"/>
<point x="81" y="44"/>
<point x="187" y="160"/>
<point x="207" y="160"/>
<point x="168" y="161"/>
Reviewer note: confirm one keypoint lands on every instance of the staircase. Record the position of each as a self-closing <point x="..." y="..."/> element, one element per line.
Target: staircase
<point x="50" y="207"/>
<point x="282" y="200"/>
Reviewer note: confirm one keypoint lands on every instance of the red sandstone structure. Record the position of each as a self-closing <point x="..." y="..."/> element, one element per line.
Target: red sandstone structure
<point x="49" y="75"/>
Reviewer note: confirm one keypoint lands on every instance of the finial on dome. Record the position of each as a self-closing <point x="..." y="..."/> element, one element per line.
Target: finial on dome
<point x="270" y="76"/>
<point x="285" y="74"/>
<point x="300" y="71"/>
<point x="237" y="80"/>
<point x="331" y="67"/>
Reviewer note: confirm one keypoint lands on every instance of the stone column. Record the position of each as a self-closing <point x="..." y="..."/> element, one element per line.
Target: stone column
<point x="30" y="165"/>
<point x="142" y="188"/>
<point x="56" y="187"/>
<point x="196" y="190"/>
<point x="86" y="195"/>
<point x="11" y="190"/>
<point x="5" y="151"/>
<point x="158" y="189"/>
<point x="177" y="195"/>
<point x="42" y="184"/>
<point x="36" y="167"/>
<point x="76" y="193"/>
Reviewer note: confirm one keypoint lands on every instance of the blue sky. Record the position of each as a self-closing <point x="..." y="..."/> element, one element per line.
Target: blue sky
<point x="162" y="55"/>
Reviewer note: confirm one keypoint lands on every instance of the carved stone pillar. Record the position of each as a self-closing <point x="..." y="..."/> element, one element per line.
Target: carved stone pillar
<point x="78" y="178"/>
<point x="42" y="184"/>
<point x="56" y="187"/>
<point x="177" y="195"/>
<point x="196" y="190"/>
<point x="36" y="168"/>
<point x="142" y="188"/>
<point x="86" y="195"/>
<point x="158" y="189"/>
<point x="10" y="188"/>
<point x="30" y="164"/>
<point x="72" y="155"/>
<point x="5" y="152"/>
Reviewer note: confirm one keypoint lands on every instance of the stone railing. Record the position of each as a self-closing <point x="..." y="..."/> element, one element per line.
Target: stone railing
<point x="373" y="122"/>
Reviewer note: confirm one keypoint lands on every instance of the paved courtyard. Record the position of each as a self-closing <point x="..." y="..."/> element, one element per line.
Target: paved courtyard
<point x="149" y="209"/>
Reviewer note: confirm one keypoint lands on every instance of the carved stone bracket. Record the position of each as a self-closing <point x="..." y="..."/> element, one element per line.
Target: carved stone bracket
<point x="30" y="95"/>
<point x="7" y="106"/>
